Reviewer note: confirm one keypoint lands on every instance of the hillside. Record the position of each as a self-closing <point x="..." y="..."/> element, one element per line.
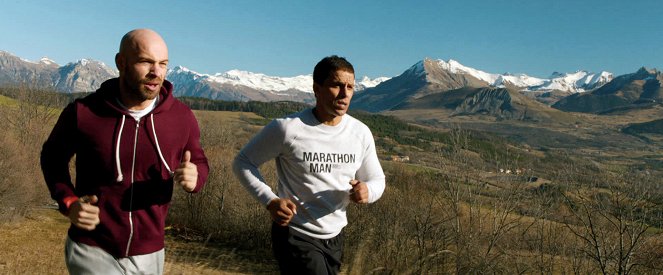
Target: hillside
<point x="487" y="200"/>
<point x="651" y="131"/>
<point x="501" y="104"/>
<point x="630" y="90"/>
<point x="423" y="78"/>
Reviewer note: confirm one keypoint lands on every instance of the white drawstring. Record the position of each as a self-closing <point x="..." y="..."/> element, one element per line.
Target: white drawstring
<point x="156" y="140"/>
<point x="117" y="152"/>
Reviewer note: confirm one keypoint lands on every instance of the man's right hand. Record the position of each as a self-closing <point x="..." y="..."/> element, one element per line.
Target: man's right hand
<point x="84" y="214"/>
<point x="282" y="210"/>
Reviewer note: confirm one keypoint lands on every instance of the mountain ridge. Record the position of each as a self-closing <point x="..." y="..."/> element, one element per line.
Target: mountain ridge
<point x="642" y="87"/>
<point x="86" y="75"/>
<point x="426" y="77"/>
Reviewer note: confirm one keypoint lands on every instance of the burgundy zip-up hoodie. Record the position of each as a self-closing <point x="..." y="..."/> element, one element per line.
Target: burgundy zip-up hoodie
<point x="125" y="163"/>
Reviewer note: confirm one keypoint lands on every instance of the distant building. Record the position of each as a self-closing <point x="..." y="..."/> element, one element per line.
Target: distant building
<point x="517" y="171"/>
<point x="400" y="158"/>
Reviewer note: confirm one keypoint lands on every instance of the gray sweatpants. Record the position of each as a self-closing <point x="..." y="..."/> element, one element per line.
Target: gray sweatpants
<point x="85" y="259"/>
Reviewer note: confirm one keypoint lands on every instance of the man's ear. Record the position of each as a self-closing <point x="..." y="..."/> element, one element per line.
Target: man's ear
<point x="316" y="88"/>
<point x="119" y="62"/>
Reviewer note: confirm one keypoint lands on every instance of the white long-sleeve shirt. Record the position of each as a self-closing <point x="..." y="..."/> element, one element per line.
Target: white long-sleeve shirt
<point x="315" y="163"/>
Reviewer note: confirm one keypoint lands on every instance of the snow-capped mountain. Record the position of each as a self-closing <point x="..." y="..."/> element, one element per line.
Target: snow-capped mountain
<point x="258" y="81"/>
<point x="641" y="88"/>
<point x="428" y="78"/>
<point x="243" y="85"/>
<point x="86" y="75"/>
<point x="576" y="82"/>
<point x="264" y="82"/>
<point x="366" y="82"/>
<point x="238" y="85"/>
<point x="47" y="61"/>
<point x="455" y="67"/>
<point x="82" y="76"/>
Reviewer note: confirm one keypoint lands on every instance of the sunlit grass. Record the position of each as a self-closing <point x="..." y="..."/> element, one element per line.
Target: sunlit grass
<point x="411" y="229"/>
<point x="6" y="101"/>
<point x="35" y="245"/>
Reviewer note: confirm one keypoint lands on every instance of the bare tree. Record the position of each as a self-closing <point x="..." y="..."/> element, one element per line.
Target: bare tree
<point x="25" y="121"/>
<point x="482" y="215"/>
<point x="612" y="225"/>
<point x="30" y="115"/>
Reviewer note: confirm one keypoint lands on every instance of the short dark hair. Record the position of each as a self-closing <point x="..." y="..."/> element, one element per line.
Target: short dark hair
<point x="329" y="65"/>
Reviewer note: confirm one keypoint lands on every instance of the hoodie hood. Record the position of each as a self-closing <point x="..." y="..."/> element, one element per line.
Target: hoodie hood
<point x="109" y="91"/>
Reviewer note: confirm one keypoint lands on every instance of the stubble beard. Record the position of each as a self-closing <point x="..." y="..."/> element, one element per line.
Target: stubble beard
<point x="138" y="91"/>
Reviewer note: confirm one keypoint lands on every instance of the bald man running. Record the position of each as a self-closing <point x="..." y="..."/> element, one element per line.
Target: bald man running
<point x="133" y="142"/>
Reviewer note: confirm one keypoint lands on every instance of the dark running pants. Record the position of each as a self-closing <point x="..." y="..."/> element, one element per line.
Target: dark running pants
<point x="300" y="254"/>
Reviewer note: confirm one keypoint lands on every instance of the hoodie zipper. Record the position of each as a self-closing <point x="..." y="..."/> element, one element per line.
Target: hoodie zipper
<point x="131" y="196"/>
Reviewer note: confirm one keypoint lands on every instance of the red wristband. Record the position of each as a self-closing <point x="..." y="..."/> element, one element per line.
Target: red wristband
<point x="68" y="201"/>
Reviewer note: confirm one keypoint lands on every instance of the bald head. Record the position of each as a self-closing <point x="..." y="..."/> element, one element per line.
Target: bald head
<point x="141" y="45"/>
<point x="142" y="62"/>
<point x="138" y="39"/>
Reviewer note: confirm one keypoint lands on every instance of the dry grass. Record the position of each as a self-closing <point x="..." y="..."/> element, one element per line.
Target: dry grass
<point x="34" y="245"/>
<point x="7" y="101"/>
<point x="196" y="257"/>
<point x="443" y="213"/>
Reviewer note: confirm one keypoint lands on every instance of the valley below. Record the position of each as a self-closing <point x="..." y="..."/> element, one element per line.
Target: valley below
<point x="596" y="137"/>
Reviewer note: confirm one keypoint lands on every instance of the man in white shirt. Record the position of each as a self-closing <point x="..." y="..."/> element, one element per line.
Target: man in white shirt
<point x="325" y="158"/>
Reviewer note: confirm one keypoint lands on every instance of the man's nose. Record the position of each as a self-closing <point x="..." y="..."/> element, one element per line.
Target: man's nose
<point x="157" y="70"/>
<point x="345" y="91"/>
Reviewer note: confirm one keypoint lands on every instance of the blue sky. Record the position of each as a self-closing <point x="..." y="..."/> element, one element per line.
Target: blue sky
<point x="381" y="38"/>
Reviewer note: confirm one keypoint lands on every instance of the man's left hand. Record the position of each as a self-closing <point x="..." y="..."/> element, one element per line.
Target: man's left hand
<point x="359" y="192"/>
<point x="186" y="175"/>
